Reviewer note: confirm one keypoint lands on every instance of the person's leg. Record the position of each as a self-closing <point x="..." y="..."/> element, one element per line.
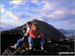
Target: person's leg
<point x="17" y="44"/>
<point x="30" y="42"/>
<point x="42" y="43"/>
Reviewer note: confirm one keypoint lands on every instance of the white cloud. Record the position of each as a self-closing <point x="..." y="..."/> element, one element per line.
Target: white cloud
<point x="56" y="14"/>
<point x="16" y="2"/>
<point x="2" y="9"/>
<point x="59" y="12"/>
<point x="12" y="15"/>
<point x="43" y="11"/>
<point x="35" y="1"/>
<point x="48" y="6"/>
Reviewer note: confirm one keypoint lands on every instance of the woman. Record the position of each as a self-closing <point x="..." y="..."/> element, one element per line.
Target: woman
<point x="26" y="33"/>
<point x="35" y="33"/>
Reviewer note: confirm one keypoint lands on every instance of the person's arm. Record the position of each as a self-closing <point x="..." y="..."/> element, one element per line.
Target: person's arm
<point x="31" y="34"/>
<point x="24" y="35"/>
<point x="27" y="31"/>
<point x="40" y="35"/>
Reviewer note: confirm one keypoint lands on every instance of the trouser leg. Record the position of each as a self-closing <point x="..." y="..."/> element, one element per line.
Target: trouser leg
<point x="42" y="42"/>
<point x="18" y="42"/>
<point x="31" y="40"/>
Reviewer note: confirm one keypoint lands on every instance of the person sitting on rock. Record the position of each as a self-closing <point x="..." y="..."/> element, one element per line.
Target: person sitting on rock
<point x="25" y="35"/>
<point x="33" y="34"/>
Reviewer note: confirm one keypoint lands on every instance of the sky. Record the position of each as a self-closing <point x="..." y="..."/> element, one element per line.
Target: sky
<point x="58" y="13"/>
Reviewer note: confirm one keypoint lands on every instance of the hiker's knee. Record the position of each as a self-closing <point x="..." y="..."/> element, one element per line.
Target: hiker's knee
<point x="42" y="42"/>
<point x="20" y="40"/>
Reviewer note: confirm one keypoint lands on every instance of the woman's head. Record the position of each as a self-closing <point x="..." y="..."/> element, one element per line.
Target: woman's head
<point x="35" y="27"/>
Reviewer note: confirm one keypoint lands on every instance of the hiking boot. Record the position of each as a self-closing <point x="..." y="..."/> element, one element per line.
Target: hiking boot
<point x="26" y="48"/>
<point x="14" y="47"/>
<point x="42" y="48"/>
<point x="30" y="48"/>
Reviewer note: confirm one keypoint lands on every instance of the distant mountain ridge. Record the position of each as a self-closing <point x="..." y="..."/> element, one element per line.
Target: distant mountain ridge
<point x="67" y="33"/>
<point x="63" y="31"/>
<point x="2" y="29"/>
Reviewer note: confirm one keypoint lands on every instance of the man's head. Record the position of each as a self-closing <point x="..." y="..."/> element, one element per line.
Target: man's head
<point x="24" y="30"/>
<point x="28" y="24"/>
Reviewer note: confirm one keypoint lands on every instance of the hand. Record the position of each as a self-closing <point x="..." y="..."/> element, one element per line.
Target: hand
<point x="39" y="36"/>
<point x="23" y="38"/>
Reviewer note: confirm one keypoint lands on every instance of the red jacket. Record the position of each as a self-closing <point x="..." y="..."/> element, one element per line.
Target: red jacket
<point x="35" y="33"/>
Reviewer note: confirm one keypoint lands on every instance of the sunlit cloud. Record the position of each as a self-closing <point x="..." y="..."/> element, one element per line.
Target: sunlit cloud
<point x="48" y="6"/>
<point x="12" y="15"/>
<point x="16" y="2"/>
<point x="56" y="14"/>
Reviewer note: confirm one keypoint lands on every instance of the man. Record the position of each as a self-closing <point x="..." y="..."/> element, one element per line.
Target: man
<point x="25" y="35"/>
<point x="35" y="33"/>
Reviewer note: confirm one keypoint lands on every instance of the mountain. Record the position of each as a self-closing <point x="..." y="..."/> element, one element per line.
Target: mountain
<point x="11" y="36"/>
<point x="70" y="33"/>
<point x="48" y="30"/>
<point x="63" y="31"/>
<point x="67" y="33"/>
<point x="2" y="29"/>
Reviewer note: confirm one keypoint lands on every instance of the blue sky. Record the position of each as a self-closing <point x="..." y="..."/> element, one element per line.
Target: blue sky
<point x="59" y="13"/>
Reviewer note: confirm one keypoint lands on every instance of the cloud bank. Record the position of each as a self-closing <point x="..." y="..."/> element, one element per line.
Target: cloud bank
<point x="50" y="11"/>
